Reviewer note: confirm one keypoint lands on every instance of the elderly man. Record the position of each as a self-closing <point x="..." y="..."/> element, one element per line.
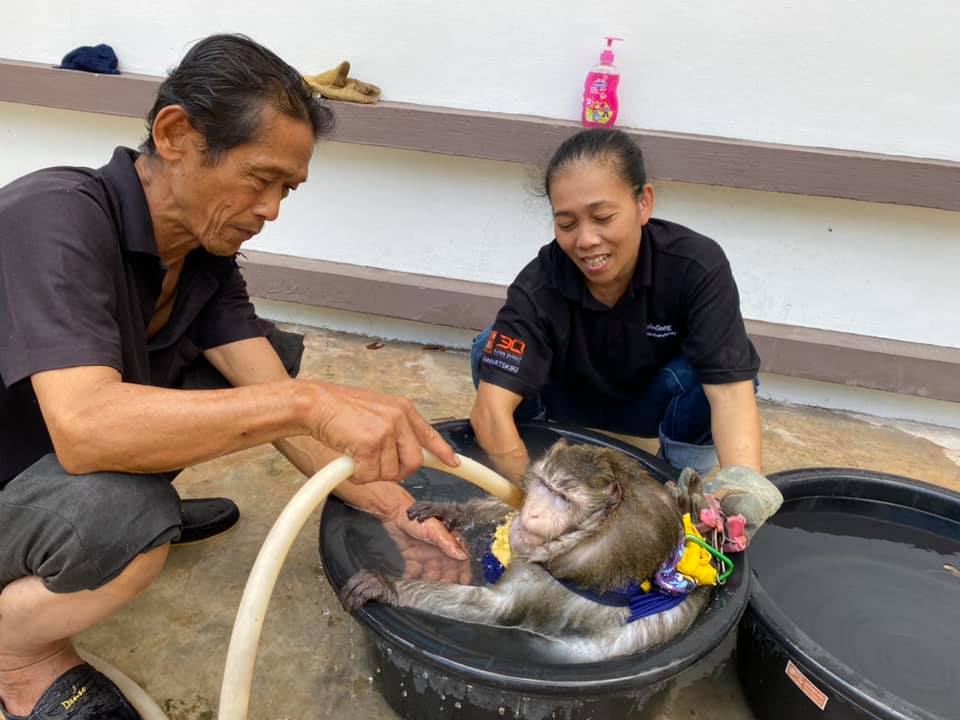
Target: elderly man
<point x="120" y="301"/>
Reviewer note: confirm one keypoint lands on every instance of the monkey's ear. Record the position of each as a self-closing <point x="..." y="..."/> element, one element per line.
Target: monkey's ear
<point x="558" y="445"/>
<point x="616" y="497"/>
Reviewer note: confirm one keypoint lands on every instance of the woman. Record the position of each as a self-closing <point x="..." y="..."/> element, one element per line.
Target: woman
<point x="624" y="322"/>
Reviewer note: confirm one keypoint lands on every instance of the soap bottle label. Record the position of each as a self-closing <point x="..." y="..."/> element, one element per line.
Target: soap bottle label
<point x="599" y="104"/>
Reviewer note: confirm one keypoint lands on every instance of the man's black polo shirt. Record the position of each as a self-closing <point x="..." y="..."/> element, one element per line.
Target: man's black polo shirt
<point x="682" y="299"/>
<point x="80" y="275"/>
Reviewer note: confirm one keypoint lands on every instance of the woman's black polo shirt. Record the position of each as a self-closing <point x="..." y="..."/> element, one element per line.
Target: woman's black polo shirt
<point x="80" y="275"/>
<point x="682" y="299"/>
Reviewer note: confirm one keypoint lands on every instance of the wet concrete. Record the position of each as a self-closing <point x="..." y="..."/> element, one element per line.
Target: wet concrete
<point x="313" y="660"/>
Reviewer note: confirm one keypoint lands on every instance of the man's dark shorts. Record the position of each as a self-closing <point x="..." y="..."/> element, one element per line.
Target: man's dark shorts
<point x="78" y="532"/>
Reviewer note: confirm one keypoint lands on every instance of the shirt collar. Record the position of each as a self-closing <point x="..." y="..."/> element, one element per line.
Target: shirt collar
<point x="134" y="222"/>
<point x="643" y="274"/>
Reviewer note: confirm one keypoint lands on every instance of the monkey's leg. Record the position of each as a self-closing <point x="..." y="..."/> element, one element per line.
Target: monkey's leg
<point x="468" y="603"/>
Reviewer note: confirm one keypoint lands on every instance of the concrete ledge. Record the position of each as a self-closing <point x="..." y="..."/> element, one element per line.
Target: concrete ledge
<point x="927" y="371"/>
<point x="422" y="298"/>
<point x="521" y="138"/>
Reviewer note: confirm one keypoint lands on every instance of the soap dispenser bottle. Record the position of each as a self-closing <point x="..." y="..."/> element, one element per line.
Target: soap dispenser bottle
<point x="600" y="102"/>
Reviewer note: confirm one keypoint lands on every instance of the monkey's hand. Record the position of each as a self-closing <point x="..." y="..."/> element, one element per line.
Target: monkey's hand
<point x="367" y="586"/>
<point x="450" y="514"/>
<point x="742" y="491"/>
<point x="688" y="492"/>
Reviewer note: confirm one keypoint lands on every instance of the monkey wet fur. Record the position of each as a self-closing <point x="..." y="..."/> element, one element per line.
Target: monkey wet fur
<point x="592" y="517"/>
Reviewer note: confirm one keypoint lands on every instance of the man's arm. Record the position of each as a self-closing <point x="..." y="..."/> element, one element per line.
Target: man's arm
<point x="97" y="422"/>
<point x="735" y="422"/>
<point x="496" y="430"/>
<point x="254" y="361"/>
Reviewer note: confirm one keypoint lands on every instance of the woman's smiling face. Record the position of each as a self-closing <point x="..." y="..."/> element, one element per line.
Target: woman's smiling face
<point x="598" y="219"/>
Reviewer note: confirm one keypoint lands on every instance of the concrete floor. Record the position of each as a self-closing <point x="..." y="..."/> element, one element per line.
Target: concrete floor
<point x="313" y="661"/>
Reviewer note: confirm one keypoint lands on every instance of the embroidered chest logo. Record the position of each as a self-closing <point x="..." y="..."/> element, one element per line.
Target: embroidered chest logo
<point x="660" y="331"/>
<point x="504" y="352"/>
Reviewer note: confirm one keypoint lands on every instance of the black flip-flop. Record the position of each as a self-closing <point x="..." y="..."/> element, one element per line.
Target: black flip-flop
<point x="81" y="693"/>
<point x="203" y="518"/>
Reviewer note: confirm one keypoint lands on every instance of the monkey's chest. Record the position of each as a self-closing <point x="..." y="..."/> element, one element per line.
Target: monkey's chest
<point x="689" y="566"/>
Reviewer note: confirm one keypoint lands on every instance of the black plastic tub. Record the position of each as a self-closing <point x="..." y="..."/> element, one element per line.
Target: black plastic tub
<point x="429" y="667"/>
<point x="855" y="611"/>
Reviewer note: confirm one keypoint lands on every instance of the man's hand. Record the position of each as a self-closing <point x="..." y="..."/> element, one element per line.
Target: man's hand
<point x="390" y="502"/>
<point x="425" y="560"/>
<point x="431" y="531"/>
<point x="383" y="434"/>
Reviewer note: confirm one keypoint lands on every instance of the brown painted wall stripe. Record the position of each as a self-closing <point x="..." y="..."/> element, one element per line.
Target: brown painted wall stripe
<point x="520" y="138"/>
<point x="913" y="368"/>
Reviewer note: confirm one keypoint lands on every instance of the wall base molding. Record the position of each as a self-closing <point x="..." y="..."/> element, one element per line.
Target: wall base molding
<point x="927" y="371"/>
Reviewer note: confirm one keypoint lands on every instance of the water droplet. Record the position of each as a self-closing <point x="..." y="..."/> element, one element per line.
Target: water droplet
<point x="389" y="651"/>
<point x="426" y="675"/>
<point x="442" y="696"/>
<point x="404" y="693"/>
<point x="457" y="705"/>
<point x="370" y="679"/>
<point x="501" y="711"/>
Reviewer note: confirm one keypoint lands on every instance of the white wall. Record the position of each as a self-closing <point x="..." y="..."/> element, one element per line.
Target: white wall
<point x="875" y="75"/>
<point x="866" y="268"/>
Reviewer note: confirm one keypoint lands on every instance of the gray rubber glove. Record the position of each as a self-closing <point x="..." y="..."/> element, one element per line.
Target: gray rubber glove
<point x="742" y="491"/>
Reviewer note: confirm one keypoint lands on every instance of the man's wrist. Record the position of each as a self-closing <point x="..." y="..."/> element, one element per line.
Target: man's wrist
<point x="305" y="399"/>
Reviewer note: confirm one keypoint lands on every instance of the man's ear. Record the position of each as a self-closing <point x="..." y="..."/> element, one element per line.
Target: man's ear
<point x="172" y="132"/>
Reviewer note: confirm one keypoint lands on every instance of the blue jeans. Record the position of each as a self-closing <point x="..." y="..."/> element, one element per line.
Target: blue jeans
<point x="673" y="406"/>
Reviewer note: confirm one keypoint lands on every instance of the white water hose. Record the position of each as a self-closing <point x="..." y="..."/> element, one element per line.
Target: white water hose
<point x="242" y="653"/>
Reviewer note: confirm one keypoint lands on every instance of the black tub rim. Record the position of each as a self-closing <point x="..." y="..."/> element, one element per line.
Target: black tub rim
<point x="577" y="678"/>
<point x="806" y="653"/>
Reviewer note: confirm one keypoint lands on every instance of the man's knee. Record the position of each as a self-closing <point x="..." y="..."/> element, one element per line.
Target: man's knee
<point x="200" y="374"/>
<point x="141" y="572"/>
<point x="81" y="532"/>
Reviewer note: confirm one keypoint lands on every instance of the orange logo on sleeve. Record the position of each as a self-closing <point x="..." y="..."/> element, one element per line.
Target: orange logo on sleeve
<point x="514" y="346"/>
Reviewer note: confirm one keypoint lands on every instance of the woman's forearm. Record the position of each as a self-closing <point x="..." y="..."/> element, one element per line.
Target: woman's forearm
<point x="735" y="422"/>
<point x="496" y="431"/>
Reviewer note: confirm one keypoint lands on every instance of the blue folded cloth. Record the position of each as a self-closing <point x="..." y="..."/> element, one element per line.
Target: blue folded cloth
<point x="97" y="59"/>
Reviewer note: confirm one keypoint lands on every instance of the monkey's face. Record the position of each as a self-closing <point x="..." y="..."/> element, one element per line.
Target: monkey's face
<point x="545" y="516"/>
<point x="568" y="494"/>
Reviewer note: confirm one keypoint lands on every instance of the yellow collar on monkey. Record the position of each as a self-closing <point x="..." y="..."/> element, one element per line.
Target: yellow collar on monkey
<point x="690" y="566"/>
